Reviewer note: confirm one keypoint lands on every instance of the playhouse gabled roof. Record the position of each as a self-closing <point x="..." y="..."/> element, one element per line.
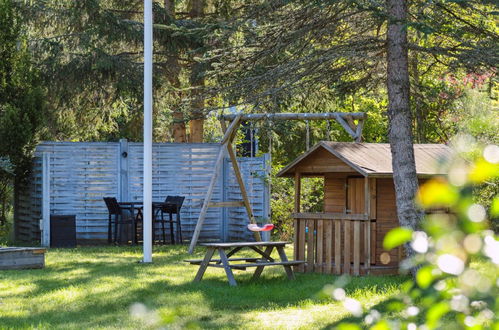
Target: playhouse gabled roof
<point x="375" y="159"/>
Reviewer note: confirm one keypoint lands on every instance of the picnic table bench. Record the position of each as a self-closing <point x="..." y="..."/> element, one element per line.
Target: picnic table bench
<point x="264" y="249"/>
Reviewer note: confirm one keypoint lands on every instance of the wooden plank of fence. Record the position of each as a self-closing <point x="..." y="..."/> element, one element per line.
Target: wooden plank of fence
<point x="356" y="247"/>
<point x="346" y="228"/>
<point x="337" y="247"/>
<point x="367" y="246"/>
<point x="310" y="246"/>
<point x="372" y="196"/>
<point x="45" y="234"/>
<point x="360" y="196"/>
<point x="373" y="242"/>
<point x="295" y="236"/>
<point x="320" y="246"/>
<point x="301" y="243"/>
<point x="328" y="228"/>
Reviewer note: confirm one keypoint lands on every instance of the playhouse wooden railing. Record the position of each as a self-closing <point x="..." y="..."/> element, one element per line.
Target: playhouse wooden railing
<point x="334" y="243"/>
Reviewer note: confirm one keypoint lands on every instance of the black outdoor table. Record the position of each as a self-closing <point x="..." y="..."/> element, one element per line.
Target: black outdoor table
<point x="264" y="249"/>
<point x="138" y="206"/>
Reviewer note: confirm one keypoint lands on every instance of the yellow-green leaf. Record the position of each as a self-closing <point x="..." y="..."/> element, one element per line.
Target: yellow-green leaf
<point x="494" y="207"/>
<point x="437" y="193"/>
<point x="435" y="313"/>
<point x="381" y="325"/>
<point x="424" y="277"/>
<point x="483" y="170"/>
<point x="348" y="326"/>
<point x="397" y="237"/>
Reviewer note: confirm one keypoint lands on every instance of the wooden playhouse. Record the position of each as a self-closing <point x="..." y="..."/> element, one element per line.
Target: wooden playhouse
<point x="359" y="205"/>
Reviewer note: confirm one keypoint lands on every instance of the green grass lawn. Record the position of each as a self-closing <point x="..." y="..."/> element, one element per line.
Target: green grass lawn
<point x="106" y="287"/>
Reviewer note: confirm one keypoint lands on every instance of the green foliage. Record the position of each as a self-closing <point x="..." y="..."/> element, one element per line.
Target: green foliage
<point x="397" y="237"/>
<point x="6" y="166"/>
<point x="282" y="201"/>
<point x="22" y="109"/>
<point x="90" y="52"/>
<point x="475" y="120"/>
<point x="319" y="56"/>
<point x="21" y="95"/>
<point x="449" y="290"/>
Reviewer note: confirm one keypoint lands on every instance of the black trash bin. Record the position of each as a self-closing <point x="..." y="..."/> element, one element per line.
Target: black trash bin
<point x="63" y="231"/>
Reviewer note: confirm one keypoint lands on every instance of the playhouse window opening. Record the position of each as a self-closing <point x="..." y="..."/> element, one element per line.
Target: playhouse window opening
<point x="312" y="194"/>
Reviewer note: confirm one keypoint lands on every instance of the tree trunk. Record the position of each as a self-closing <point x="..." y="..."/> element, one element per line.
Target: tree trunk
<point x="178" y="126"/>
<point x="399" y="113"/>
<point x="196" y="124"/>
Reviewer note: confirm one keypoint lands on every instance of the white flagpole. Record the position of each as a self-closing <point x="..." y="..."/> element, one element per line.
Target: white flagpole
<point x="147" y="228"/>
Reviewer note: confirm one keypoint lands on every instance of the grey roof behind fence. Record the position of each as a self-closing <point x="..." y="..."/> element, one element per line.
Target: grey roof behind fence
<point x="375" y="159"/>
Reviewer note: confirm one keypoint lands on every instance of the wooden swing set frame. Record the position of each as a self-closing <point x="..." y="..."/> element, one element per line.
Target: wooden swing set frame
<point x="345" y="119"/>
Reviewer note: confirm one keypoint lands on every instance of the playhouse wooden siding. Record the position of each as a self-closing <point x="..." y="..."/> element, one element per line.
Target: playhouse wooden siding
<point x="345" y="194"/>
<point x="383" y="212"/>
<point x="347" y="237"/>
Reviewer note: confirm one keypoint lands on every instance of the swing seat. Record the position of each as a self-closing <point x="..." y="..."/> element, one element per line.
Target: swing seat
<point x="254" y="227"/>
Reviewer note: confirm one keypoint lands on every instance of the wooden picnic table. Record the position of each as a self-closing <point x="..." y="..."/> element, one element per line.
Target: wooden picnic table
<point x="227" y="250"/>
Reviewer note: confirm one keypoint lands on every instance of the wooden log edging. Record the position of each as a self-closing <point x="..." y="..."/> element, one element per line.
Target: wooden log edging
<point x="22" y="258"/>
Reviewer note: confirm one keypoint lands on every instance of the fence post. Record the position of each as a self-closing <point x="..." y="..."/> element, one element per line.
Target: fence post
<point x="45" y="226"/>
<point x="123" y="171"/>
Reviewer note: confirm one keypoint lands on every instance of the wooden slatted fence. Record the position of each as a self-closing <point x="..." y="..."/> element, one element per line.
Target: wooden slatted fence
<point x="81" y="174"/>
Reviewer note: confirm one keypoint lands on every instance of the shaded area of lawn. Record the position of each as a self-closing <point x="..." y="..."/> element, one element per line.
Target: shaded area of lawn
<point x="95" y="288"/>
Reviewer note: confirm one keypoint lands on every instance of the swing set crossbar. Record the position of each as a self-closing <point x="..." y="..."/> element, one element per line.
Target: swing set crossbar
<point x="345" y="119"/>
<point x="295" y="116"/>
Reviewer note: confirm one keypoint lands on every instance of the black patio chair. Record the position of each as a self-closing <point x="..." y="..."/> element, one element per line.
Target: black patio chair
<point x="119" y="216"/>
<point x="171" y="206"/>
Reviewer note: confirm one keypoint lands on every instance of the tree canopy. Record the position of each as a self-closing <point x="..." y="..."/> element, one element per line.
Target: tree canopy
<point x="266" y="56"/>
<point x="22" y="108"/>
